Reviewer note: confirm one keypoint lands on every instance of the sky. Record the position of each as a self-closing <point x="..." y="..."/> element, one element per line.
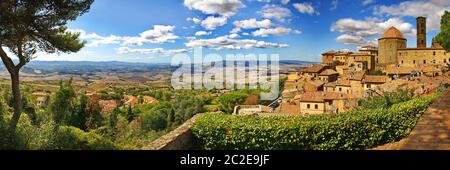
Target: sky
<point x="154" y="31"/>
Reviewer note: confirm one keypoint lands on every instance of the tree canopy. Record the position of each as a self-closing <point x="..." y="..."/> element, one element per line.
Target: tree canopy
<point x="31" y="26"/>
<point x="444" y="36"/>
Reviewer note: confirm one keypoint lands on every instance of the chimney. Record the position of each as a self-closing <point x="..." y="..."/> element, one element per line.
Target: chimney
<point x="421" y="32"/>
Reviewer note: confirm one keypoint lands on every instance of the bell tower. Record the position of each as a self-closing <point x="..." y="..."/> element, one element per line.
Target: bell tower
<point x="421" y="32"/>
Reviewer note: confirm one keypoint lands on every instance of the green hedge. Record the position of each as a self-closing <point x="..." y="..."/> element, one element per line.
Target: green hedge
<point x="354" y="130"/>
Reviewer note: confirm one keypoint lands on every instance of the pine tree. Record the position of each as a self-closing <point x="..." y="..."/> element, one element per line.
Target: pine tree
<point x="29" y="26"/>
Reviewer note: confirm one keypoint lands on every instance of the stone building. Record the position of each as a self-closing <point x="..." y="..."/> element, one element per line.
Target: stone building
<point x="321" y="102"/>
<point x="388" y="45"/>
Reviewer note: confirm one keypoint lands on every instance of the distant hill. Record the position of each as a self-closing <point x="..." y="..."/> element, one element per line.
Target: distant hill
<point x="90" y="67"/>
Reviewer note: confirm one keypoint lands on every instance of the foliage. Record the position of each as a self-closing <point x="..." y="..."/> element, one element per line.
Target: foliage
<point x="158" y="118"/>
<point x="443" y="38"/>
<point x="230" y="100"/>
<point x="116" y="95"/>
<point x="131" y="136"/>
<point x="61" y="105"/>
<point x="31" y="26"/>
<point x="443" y="87"/>
<point x="50" y="136"/>
<point x="4" y="133"/>
<point x="387" y="99"/>
<point x="186" y="106"/>
<point x="359" y="129"/>
<point x="72" y="138"/>
<point x="80" y="116"/>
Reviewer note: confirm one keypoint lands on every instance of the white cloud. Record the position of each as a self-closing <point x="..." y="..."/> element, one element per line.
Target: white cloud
<point x="263" y="32"/>
<point x="432" y="9"/>
<point x="227" y="43"/>
<point x="235" y="30"/>
<point x="158" y="35"/>
<point x="367" y="2"/>
<point x="233" y="35"/>
<point x="211" y="22"/>
<point x="253" y="23"/>
<point x="195" y="20"/>
<point x="306" y="8"/>
<point x="202" y="33"/>
<point x="284" y="2"/>
<point x="221" y="7"/>
<point x="297" y="32"/>
<point x="355" y="40"/>
<point x="126" y="50"/>
<point x="334" y="4"/>
<point x="94" y="40"/>
<point x="358" y="32"/>
<point x="275" y="12"/>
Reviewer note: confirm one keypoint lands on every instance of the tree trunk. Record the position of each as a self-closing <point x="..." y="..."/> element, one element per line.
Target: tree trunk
<point x="17" y="101"/>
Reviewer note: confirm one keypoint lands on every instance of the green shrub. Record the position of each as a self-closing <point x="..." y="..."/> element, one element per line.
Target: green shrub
<point x="359" y="129"/>
<point x="158" y="118"/>
<point x="443" y="87"/>
<point x="72" y="138"/>
<point x="387" y="99"/>
<point x="229" y="100"/>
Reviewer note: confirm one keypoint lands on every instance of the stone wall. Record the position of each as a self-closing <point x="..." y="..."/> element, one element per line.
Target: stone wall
<point x="179" y="139"/>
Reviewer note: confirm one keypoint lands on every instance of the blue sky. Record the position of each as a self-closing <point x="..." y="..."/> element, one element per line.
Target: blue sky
<point x="153" y="31"/>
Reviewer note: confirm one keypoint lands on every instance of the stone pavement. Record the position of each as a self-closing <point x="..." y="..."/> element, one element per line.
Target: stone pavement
<point x="432" y="132"/>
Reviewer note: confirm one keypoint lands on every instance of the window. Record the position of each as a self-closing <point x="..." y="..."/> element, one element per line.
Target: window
<point x="402" y="61"/>
<point x="340" y="88"/>
<point x="330" y="102"/>
<point x="414" y="61"/>
<point x="308" y="106"/>
<point x="424" y="61"/>
<point x="445" y="61"/>
<point x="369" y="86"/>
<point x="434" y="52"/>
<point x="316" y="106"/>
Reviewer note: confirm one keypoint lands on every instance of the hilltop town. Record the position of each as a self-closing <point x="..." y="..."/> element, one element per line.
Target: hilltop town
<point x="344" y="77"/>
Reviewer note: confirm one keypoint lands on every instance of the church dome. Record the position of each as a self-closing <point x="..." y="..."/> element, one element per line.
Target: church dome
<point x="392" y="33"/>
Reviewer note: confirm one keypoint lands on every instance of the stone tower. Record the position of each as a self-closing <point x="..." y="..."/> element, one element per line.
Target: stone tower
<point x="391" y="40"/>
<point x="421" y="32"/>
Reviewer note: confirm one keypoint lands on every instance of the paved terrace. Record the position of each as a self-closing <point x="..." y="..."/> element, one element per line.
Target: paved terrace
<point x="432" y="132"/>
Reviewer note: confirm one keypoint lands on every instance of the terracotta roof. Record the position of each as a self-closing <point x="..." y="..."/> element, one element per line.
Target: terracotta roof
<point x="316" y="83"/>
<point x="358" y="75"/>
<point x="399" y="70"/>
<point x="343" y="82"/>
<point x="131" y="100"/>
<point x="368" y="46"/>
<point x="361" y="54"/>
<point x="314" y="68"/>
<point x="321" y="96"/>
<point x="150" y="99"/>
<point x="375" y="79"/>
<point x="329" y="52"/>
<point x="392" y="33"/>
<point x="328" y="72"/>
<point x="108" y="105"/>
<point x="343" y="53"/>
